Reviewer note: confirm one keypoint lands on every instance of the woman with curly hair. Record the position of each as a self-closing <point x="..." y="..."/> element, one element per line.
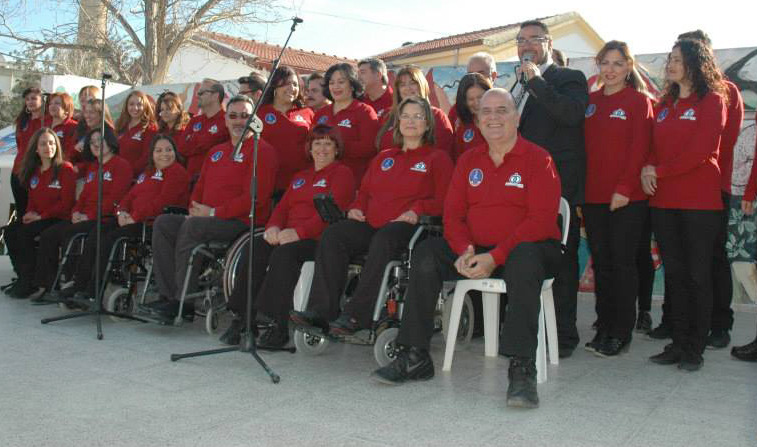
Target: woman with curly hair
<point x="172" y="119"/>
<point x="136" y="128"/>
<point x="683" y="179"/>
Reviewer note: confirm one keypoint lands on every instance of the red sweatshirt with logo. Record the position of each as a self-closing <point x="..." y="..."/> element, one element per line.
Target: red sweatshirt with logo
<point x="357" y="125"/>
<point x="287" y="133"/>
<point x="154" y="190"/>
<point x="398" y="181"/>
<point x="224" y="182"/>
<point x="618" y="134"/>
<point x="296" y="209"/>
<point x="52" y="198"/>
<point x="200" y="135"/>
<point x="685" y="141"/>
<point x="502" y="206"/>
<point x="467" y="136"/>
<point x="383" y="104"/>
<point x="23" y="136"/>
<point x="117" y="177"/>
<point x="134" y="145"/>
<point x="66" y="132"/>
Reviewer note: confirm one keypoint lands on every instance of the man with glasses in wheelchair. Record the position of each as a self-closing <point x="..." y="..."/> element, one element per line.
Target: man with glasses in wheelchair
<point x="500" y="220"/>
<point x="219" y="208"/>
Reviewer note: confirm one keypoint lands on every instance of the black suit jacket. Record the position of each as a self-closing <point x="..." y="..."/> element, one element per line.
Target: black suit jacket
<point x="553" y="118"/>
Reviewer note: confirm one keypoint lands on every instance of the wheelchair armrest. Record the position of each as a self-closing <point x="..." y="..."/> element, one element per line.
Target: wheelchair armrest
<point x="430" y="220"/>
<point x="170" y="209"/>
<point x="327" y="208"/>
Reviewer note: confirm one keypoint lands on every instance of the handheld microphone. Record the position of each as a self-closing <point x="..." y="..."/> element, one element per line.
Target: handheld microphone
<point x="297" y="20"/>
<point x="107" y="76"/>
<point x="528" y="56"/>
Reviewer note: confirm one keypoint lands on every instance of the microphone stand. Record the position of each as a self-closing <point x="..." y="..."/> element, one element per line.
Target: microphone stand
<point x="248" y="344"/>
<point x="97" y="310"/>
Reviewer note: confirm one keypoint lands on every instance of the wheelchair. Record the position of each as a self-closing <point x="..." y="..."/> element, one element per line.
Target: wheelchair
<point x="387" y="312"/>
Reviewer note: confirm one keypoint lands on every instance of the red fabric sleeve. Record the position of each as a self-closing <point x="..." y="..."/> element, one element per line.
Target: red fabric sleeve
<point x="361" y="201"/>
<point x="343" y="191"/>
<point x="441" y="170"/>
<point x="122" y="177"/>
<point x="281" y="212"/>
<point x="456" y="230"/>
<point x="147" y="135"/>
<point x="641" y="142"/>
<point x="268" y="167"/>
<point x="751" y="186"/>
<point x="706" y="136"/>
<point x="735" y="111"/>
<point x="67" y="180"/>
<point x="368" y="126"/>
<point x="200" y="184"/>
<point x="543" y="204"/>
<point x="172" y="192"/>
<point x="444" y="133"/>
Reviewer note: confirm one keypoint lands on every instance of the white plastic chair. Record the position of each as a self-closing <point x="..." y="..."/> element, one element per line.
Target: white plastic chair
<point x="491" y="288"/>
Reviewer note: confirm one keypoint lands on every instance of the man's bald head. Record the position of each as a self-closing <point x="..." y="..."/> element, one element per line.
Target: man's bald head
<point x="498" y="117"/>
<point x="499" y="93"/>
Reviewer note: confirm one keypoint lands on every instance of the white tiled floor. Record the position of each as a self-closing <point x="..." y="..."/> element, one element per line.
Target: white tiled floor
<point x="62" y="387"/>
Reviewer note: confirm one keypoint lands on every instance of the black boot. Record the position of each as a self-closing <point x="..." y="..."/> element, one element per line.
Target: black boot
<point x="276" y="337"/>
<point x="596" y="342"/>
<point x="612" y="346"/>
<point x="671" y="355"/>
<point x="643" y="322"/>
<point x="521" y="392"/>
<point x="747" y="353"/>
<point x="411" y="363"/>
<point x="233" y="334"/>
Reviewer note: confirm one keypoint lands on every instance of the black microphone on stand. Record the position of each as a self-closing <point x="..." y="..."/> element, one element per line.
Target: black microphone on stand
<point x="528" y="56"/>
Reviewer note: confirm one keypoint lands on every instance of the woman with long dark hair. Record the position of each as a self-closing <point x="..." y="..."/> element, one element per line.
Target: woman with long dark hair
<point x="467" y="135"/>
<point x="52" y="184"/>
<point x="172" y="119"/>
<point x="618" y="131"/>
<point x="28" y="121"/>
<point x="683" y="179"/>
<point x="92" y="115"/>
<point x="286" y="122"/>
<point x="136" y="128"/>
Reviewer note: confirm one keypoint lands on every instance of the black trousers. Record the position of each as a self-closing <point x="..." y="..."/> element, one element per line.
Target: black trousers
<point x="645" y="266"/>
<point x="84" y="276"/>
<point x="687" y="242"/>
<point x="343" y="241"/>
<point x="19" y="238"/>
<point x="565" y="287"/>
<point x="613" y="238"/>
<point x="20" y="195"/>
<point x="527" y="266"/>
<point x="52" y="242"/>
<point x="722" y="314"/>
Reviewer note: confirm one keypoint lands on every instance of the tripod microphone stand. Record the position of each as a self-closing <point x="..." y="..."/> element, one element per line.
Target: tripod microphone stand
<point x="97" y="310"/>
<point x="248" y="344"/>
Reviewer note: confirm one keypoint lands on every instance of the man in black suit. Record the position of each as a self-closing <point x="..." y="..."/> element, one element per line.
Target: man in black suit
<point x="552" y="101"/>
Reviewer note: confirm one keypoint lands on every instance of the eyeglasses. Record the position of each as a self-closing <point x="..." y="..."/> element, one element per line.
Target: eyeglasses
<point x="416" y="117"/>
<point x="233" y="115"/>
<point x="532" y="41"/>
<point x="202" y="92"/>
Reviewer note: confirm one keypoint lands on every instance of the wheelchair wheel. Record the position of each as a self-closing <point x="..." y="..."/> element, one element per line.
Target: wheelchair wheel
<point x="310" y="344"/>
<point x="467" y="318"/>
<point x="211" y="321"/>
<point x="120" y="301"/>
<point x="385" y="349"/>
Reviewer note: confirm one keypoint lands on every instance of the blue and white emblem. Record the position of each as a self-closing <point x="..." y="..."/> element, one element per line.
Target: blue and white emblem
<point x="270" y="118"/>
<point x="515" y="180"/>
<point x="158" y="175"/>
<point x="239" y="157"/>
<point x="59" y="133"/>
<point x="689" y="115"/>
<point x="475" y="177"/>
<point x="34" y="182"/>
<point x="619" y="114"/>
<point x="197" y="127"/>
<point x="216" y="156"/>
<point x="213" y="129"/>
<point x="590" y="110"/>
<point x="107" y="176"/>
<point x="320" y="183"/>
<point x="90" y="177"/>
<point x="55" y="184"/>
<point x="419" y="167"/>
<point x="468" y="135"/>
<point x="299" y="119"/>
<point x="663" y="114"/>
<point x="345" y="123"/>
<point x="387" y="164"/>
<point x="323" y="120"/>
<point x="137" y="136"/>
<point x="298" y="183"/>
<point x="141" y="178"/>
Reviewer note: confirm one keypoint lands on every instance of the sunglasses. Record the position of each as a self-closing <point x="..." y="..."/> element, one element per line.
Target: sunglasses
<point x="234" y="115"/>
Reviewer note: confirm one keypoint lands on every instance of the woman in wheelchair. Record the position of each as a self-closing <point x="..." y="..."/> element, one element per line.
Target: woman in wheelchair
<point x="117" y="176"/>
<point x="51" y="183"/>
<point x="401" y="184"/>
<point x="164" y="182"/>
<point x="290" y="238"/>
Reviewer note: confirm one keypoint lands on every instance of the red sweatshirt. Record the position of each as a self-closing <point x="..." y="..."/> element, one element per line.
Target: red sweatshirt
<point x="399" y="181"/>
<point x="685" y="140"/>
<point x="155" y="190"/>
<point x="53" y="198"/>
<point x="117" y="177"/>
<point x="502" y="206"/>
<point x="445" y="140"/>
<point x="23" y="136"/>
<point x="383" y="105"/>
<point x="66" y="132"/>
<point x="287" y="134"/>
<point x="224" y="184"/>
<point x="751" y="186"/>
<point x="730" y="135"/>
<point x="467" y="136"/>
<point x="296" y="209"/>
<point x="134" y="145"/>
<point x="618" y="133"/>
<point x="358" y="126"/>
<point x="200" y="135"/>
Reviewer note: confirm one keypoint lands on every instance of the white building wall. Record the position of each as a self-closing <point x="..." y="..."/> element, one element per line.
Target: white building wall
<point x="193" y="64"/>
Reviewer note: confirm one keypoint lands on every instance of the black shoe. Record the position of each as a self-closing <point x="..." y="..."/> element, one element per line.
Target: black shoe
<point x="410" y="364"/>
<point x="691" y="361"/>
<point x="612" y="346"/>
<point x="344" y="325"/>
<point x="565" y="351"/>
<point x="595" y="342"/>
<point x="661" y="332"/>
<point x="747" y="353"/>
<point x="718" y="339"/>
<point x="49" y="297"/>
<point x="20" y="290"/>
<point x="276" y="337"/>
<point x="643" y="322"/>
<point x="521" y="392"/>
<point x="171" y="310"/>
<point x="307" y="319"/>
<point x="68" y="293"/>
<point x="233" y="335"/>
<point x="671" y="355"/>
<point x="9" y="285"/>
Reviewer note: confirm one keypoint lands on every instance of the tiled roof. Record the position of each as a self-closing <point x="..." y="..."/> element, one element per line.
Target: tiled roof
<point x="261" y="55"/>
<point x="469" y="39"/>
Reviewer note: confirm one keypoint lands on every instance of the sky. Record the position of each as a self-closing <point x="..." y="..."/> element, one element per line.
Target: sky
<point x="359" y="28"/>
